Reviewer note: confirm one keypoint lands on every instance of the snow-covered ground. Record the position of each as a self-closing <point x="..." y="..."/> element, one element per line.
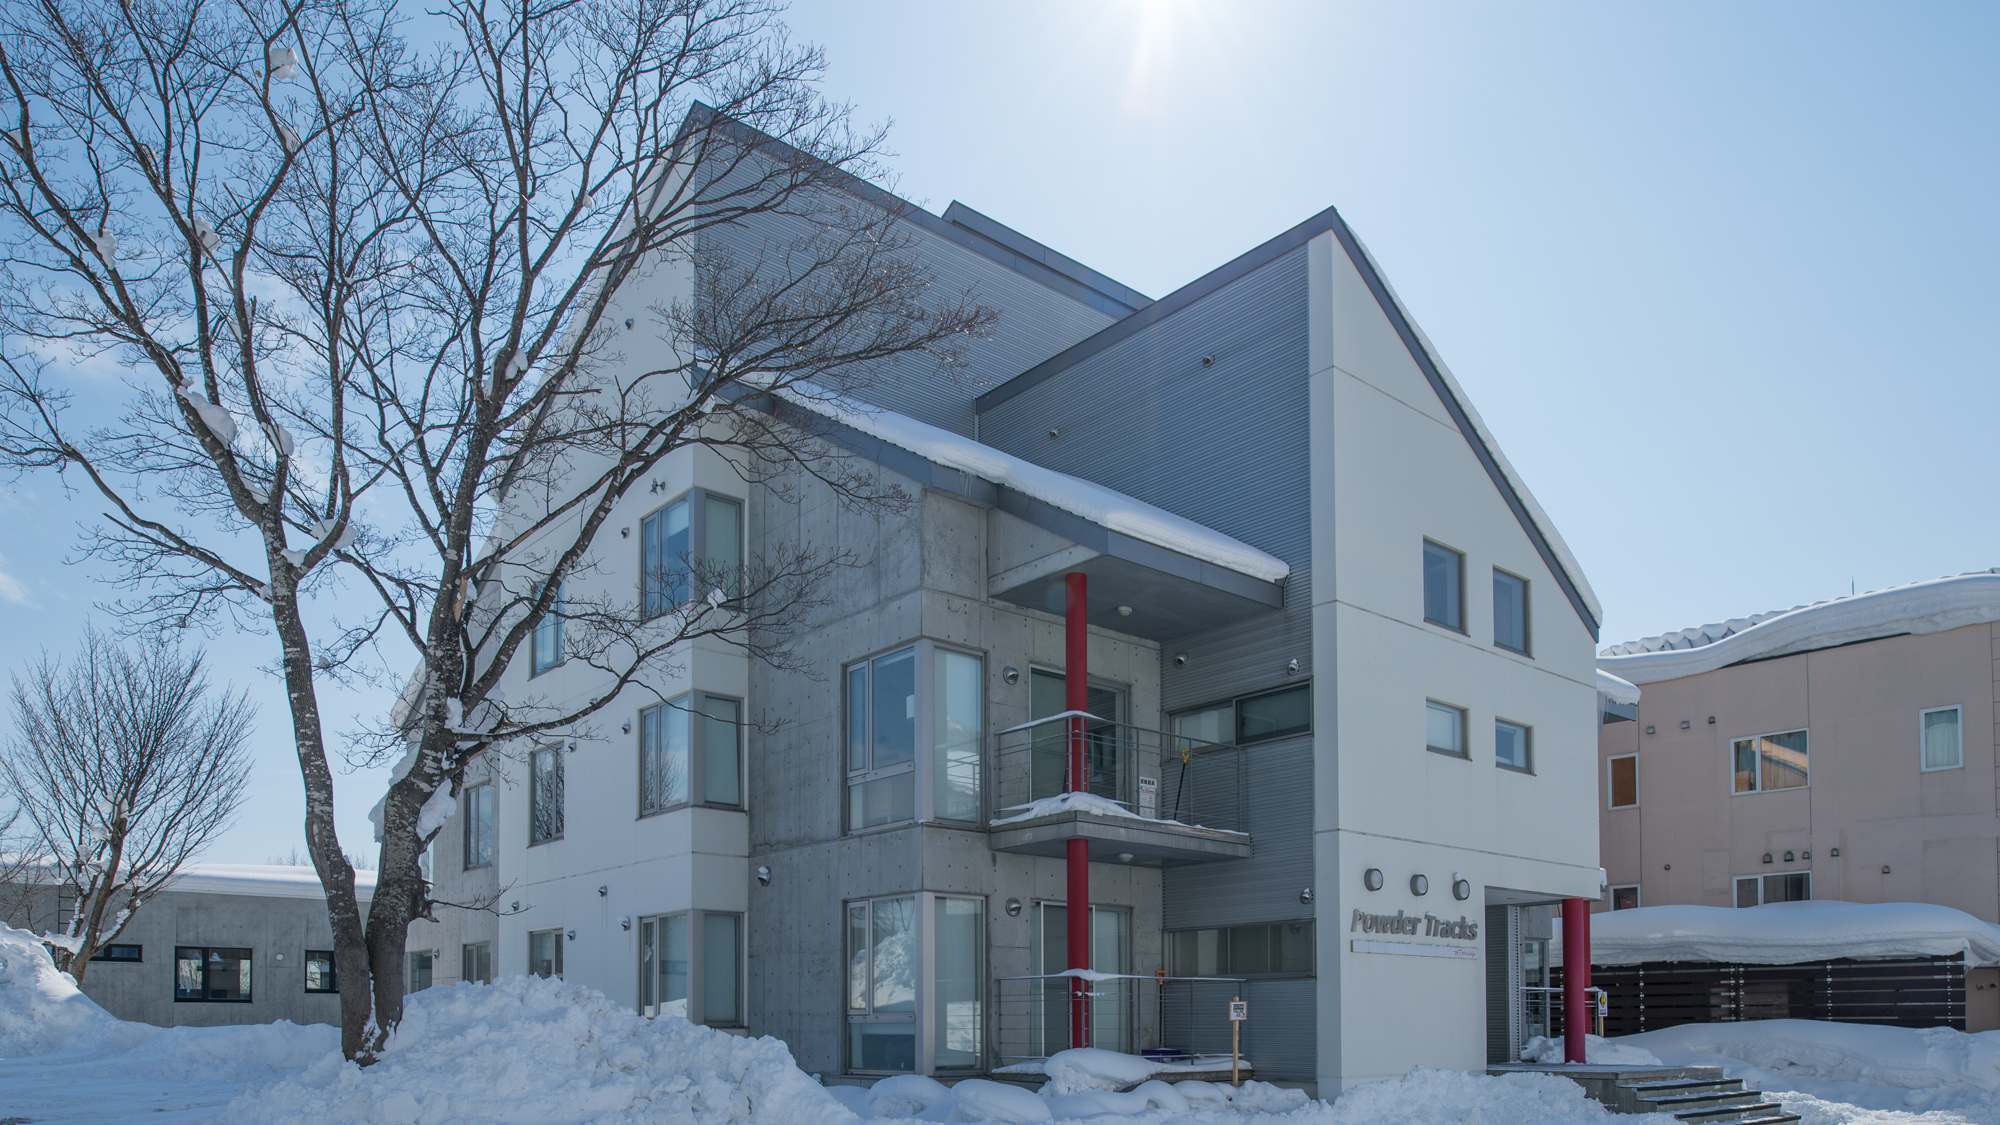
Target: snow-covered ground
<point x="525" y="1051"/>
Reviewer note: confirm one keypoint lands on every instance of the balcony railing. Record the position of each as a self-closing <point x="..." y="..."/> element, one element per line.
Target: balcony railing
<point x="1185" y="1019"/>
<point x="1147" y="774"/>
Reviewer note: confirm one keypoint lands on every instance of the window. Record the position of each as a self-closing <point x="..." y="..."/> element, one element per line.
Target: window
<point x="1625" y="898"/>
<point x="1510" y="611"/>
<point x="207" y="973"/>
<point x="722" y="969"/>
<point x="1444" y="586"/>
<point x="956" y="1013"/>
<point x="120" y="953"/>
<point x="690" y="548"/>
<point x="882" y="984"/>
<point x="476" y="962"/>
<point x="888" y="741"/>
<point x="320" y="975"/>
<point x="1444" y="728"/>
<point x="545" y="952"/>
<point x="548" y="643"/>
<point x="1510" y="745"/>
<point x="1770" y="761"/>
<point x="691" y="965"/>
<point x="1235" y="951"/>
<point x="478" y="825"/>
<point x="1274" y="715"/>
<point x="1756" y="890"/>
<point x="663" y="966"/>
<point x="1943" y="745"/>
<point x="1623" y="777"/>
<point x="679" y="755"/>
<point x="421" y="964"/>
<point x="545" y="795"/>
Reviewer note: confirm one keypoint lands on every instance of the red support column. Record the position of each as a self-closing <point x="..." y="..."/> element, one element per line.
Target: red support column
<point x="1576" y="977"/>
<point x="1076" y="697"/>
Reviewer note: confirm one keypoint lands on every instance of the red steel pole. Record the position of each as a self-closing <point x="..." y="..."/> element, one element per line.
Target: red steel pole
<point x="1576" y="977"/>
<point x="1076" y="697"/>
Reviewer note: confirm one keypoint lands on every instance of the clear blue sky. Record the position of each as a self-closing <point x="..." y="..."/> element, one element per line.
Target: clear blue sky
<point x="1721" y="277"/>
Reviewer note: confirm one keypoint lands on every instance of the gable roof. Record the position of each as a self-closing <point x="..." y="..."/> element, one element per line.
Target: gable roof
<point x="1535" y="523"/>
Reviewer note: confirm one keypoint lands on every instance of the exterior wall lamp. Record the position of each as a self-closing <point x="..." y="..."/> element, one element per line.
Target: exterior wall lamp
<point x="1461" y="887"/>
<point x="1013" y="908"/>
<point x="1306" y="896"/>
<point x="1372" y="878"/>
<point x="1011" y="674"/>
<point x="763" y="876"/>
<point x="1419" y="885"/>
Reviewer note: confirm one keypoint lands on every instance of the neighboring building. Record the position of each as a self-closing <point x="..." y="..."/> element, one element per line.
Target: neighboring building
<point x="1309" y="565"/>
<point x="224" y="944"/>
<point x="1842" y="750"/>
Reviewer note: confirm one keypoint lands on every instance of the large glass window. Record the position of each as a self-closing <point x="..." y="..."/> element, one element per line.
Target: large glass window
<point x="694" y="742"/>
<point x="1444" y="586"/>
<point x="212" y="974"/>
<point x="1444" y="728"/>
<point x="545" y="953"/>
<point x="320" y="976"/>
<point x="1943" y="744"/>
<point x="721" y="750"/>
<point x="421" y="966"/>
<point x="1510" y="745"/>
<point x="722" y="969"/>
<point x="1789" y="886"/>
<point x="548" y="643"/>
<point x="663" y="966"/>
<point x="545" y="795"/>
<point x="1510" y="611"/>
<point x="1770" y="761"/>
<point x="663" y="757"/>
<point x="476" y="962"/>
<point x="1274" y="714"/>
<point x="693" y="547"/>
<point x="958" y="728"/>
<point x="916" y="711"/>
<point x="1622" y="781"/>
<point x="959" y="943"/>
<point x="1236" y="951"/>
<point x="478" y="825"/>
<point x="882" y="984"/>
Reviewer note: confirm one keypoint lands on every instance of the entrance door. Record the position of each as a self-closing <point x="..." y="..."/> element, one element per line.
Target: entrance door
<point x="1113" y="1008"/>
<point x="1106" y="765"/>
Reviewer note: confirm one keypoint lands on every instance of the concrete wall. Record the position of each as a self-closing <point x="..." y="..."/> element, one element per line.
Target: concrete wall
<point x="1390" y="468"/>
<point x="1868" y="796"/>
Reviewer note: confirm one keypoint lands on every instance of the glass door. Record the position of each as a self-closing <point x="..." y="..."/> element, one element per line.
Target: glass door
<point x="1107" y="766"/>
<point x="1112" y="1007"/>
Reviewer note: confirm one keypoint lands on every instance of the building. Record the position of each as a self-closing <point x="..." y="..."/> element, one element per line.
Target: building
<point x="1340" y="673"/>
<point x="225" y="943"/>
<point x="1841" y="750"/>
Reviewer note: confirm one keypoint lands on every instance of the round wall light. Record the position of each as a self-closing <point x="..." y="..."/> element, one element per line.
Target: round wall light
<point x="1419" y="885"/>
<point x="1011" y="674"/>
<point x="763" y="876"/>
<point x="1372" y="878"/>
<point x="1461" y="889"/>
<point x="1306" y="896"/>
<point x="1013" y="908"/>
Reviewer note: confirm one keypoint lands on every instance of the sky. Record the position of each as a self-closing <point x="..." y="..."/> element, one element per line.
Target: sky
<point x="1721" y="278"/>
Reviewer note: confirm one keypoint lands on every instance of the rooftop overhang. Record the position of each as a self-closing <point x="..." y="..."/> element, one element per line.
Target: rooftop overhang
<point x="1149" y="843"/>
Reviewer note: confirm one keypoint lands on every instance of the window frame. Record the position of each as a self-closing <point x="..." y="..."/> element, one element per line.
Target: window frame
<point x="468" y="962"/>
<point x="924" y="767"/>
<point x="473" y="819"/>
<point x="1225" y="934"/>
<point x="1637" y="899"/>
<point x="556" y="939"/>
<point x="551" y="624"/>
<point x="1758" y="880"/>
<point x="693" y="706"/>
<point x="922" y="1018"/>
<point x="1464" y="717"/>
<point x="1611" y="785"/>
<point x="412" y="958"/>
<point x="104" y="953"/>
<point x="1757" y="775"/>
<point x="556" y="751"/>
<point x="1233" y="704"/>
<point x="332" y="976"/>
<point x="696" y="498"/>
<point x="1527" y="746"/>
<point x="249" y="958"/>
<point x="1424" y="587"/>
<point x="1921" y="732"/>
<point x="1527" y="631"/>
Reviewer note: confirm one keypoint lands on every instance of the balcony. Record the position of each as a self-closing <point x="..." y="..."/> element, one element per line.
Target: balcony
<point x="1150" y="798"/>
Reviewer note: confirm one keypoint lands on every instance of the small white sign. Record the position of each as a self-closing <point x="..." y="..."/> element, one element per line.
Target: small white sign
<point x="1239" y="1010"/>
<point x="1149" y="797"/>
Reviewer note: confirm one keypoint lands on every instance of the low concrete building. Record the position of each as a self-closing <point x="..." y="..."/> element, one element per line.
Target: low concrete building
<point x="224" y="944"/>
<point x="1841" y="750"/>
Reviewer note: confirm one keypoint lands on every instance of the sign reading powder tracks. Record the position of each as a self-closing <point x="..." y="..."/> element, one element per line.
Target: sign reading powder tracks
<point x="1415" y="925"/>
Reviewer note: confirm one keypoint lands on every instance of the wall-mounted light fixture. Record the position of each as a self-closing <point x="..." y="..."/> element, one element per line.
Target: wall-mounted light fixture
<point x="1011" y="674"/>
<point x="1885" y="869"/>
<point x="624" y="533"/>
<point x="1292" y="666"/>
<point x="1711" y="720"/>
<point x="1419" y="885"/>
<point x="1124" y="857"/>
<point x="624" y="921"/>
<point x="626" y="726"/>
<point x="1372" y="878"/>
<point x="628" y="324"/>
<point x="1053" y="432"/>
<point x="1461" y="888"/>
<point x="515" y="905"/>
<point x="1685" y="724"/>
<point x="1124" y="611"/>
<point x="763" y="876"/>
<point x="571" y="934"/>
<point x="1805" y="855"/>
<point x="1835" y="853"/>
<point x="1790" y="858"/>
<point x="1767" y="857"/>
<point x="1649" y="730"/>
<point x="1668" y="867"/>
<point x="1208" y="361"/>
<point x="1180" y="658"/>
<point x="1013" y="908"/>
<point x="1306" y="896"/>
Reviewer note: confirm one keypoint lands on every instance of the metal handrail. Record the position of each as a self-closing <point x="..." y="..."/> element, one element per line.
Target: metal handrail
<point x="1151" y="774"/>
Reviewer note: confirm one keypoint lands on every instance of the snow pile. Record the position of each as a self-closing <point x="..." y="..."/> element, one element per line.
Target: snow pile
<point x="1077" y="802"/>
<point x="1094" y="502"/>
<point x="1785" y="933"/>
<point x="1596" y="1050"/>
<point x="1451" y="1097"/>
<point x="40" y="1008"/>
<point x="525" y="1049"/>
<point x="1910" y="1058"/>
<point x="1094" y="1068"/>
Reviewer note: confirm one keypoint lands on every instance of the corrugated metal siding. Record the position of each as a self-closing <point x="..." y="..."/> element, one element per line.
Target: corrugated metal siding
<point x="1503" y="984"/>
<point x="1265" y="887"/>
<point x="1282" y="1032"/>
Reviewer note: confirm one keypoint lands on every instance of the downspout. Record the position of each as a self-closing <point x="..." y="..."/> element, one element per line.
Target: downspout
<point x="1076" y="693"/>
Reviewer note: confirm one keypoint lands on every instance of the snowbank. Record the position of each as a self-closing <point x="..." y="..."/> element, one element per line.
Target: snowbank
<point x="526" y="1050"/>
<point x="1598" y="1050"/>
<point x="1911" y="1058"/>
<point x="1786" y="933"/>
<point x="40" y="1008"/>
<point x="1450" y="1097"/>
<point x="264" y="880"/>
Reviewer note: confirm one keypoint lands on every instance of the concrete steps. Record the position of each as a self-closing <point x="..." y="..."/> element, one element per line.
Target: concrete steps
<point x="1698" y="1095"/>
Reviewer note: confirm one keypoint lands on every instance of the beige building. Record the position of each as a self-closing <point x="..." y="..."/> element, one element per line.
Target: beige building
<point x="1842" y="750"/>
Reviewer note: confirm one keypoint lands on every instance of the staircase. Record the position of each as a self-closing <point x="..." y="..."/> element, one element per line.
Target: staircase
<point x="1698" y="1095"/>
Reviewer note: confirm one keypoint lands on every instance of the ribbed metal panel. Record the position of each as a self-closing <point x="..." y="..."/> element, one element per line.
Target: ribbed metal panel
<point x="1282" y="1034"/>
<point x="1503" y="984"/>
<point x="1265" y="887"/>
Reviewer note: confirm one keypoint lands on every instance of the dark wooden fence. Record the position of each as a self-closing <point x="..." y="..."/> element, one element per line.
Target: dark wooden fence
<point x="1907" y="992"/>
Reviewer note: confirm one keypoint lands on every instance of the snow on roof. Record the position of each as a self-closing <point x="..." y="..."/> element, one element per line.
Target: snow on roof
<point x="1920" y="607"/>
<point x="261" y="879"/>
<point x="1787" y="933"/>
<point x="1615" y="689"/>
<point x="1100" y="505"/>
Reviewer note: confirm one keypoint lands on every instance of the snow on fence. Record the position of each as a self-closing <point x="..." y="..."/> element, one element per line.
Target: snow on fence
<point x="1897" y="992"/>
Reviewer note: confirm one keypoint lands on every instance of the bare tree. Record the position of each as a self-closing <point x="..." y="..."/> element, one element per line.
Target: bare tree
<point x="125" y="766"/>
<point x="365" y="274"/>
